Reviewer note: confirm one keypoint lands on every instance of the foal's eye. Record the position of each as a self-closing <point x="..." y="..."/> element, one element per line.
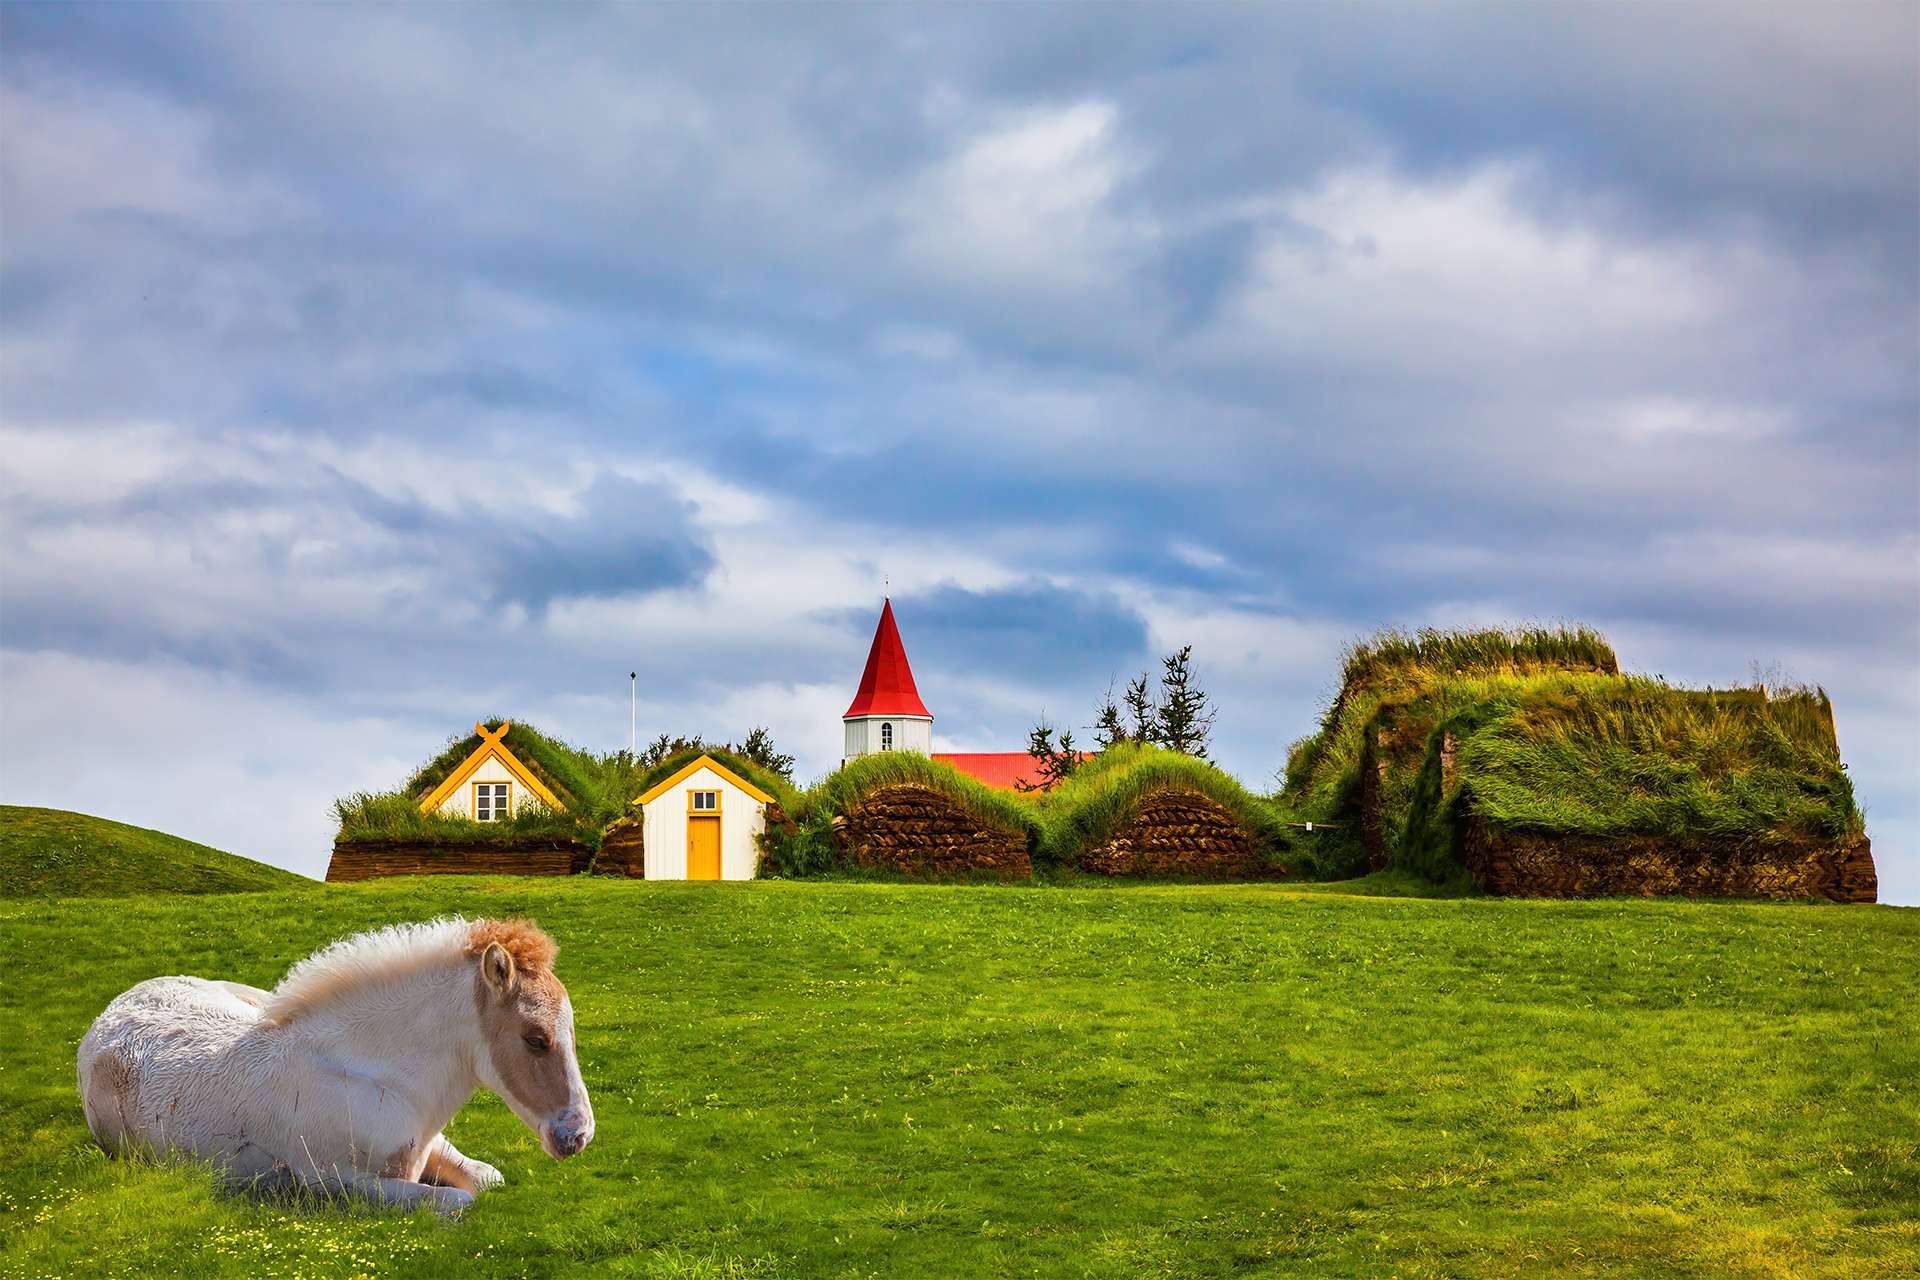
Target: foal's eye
<point x="536" y="1041"/>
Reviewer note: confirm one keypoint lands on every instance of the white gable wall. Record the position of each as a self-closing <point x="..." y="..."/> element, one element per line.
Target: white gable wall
<point x="910" y="733"/>
<point x="741" y="819"/>
<point x="460" y="803"/>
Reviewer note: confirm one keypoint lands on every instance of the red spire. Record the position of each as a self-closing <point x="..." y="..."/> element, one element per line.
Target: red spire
<point x="886" y="686"/>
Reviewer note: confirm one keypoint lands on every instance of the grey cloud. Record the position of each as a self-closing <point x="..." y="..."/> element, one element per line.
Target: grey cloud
<point x="1031" y="633"/>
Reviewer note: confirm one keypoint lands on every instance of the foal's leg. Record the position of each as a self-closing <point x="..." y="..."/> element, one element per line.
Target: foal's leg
<point x="396" y="1193"/>
<point x="448" y="1168"/>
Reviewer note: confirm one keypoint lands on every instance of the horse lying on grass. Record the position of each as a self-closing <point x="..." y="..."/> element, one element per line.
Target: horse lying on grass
<point x="341" y="1078"/>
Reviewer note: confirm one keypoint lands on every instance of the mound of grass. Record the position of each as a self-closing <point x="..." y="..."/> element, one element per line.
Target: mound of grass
<point x="1085" y="811"/>
<point x="595" y="790"/>
<point x="1392" y="663"/>
<point x="806" y="846"/>
<point x="1596" y="756"/>
<point x="54" y="853"/>
<point x="843" y="788"/>
<point x="1412" y="679"/>
<point x="831" y="1080"/>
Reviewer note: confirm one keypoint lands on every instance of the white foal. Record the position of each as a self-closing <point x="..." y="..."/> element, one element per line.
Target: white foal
<point x="343" y="1076"/>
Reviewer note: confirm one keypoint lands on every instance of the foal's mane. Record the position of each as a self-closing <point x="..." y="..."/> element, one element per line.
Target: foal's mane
<point x="397" y="952"/>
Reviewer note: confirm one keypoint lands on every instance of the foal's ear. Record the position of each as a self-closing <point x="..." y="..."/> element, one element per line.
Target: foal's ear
<point x="496" y="966"/>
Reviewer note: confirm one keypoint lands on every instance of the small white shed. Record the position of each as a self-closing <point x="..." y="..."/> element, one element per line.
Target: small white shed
<point x="700" y="824"/>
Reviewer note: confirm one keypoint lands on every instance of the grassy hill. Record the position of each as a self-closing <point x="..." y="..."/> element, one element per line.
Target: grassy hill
<point x="53" y="853"/>
<point x="833" y="1079"/>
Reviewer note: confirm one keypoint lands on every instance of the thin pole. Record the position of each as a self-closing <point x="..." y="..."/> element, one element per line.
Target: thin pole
<point x="633" y="687"/>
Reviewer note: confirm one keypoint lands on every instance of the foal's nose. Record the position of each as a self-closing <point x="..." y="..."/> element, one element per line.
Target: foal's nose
<point x="571" y="1134"/>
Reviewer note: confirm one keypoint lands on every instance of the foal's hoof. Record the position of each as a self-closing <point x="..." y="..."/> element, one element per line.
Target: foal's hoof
<point x="485" y="1176"/>
<point x="449" y="1202"/>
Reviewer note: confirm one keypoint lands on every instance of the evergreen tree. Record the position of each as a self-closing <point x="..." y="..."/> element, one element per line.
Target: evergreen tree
<point x="1107" y="728"/>
<point x="662" y="747"/>
<point x="1056" y="763"/>
<point x="759" y="748"/>
<point x="1185" y="720"/>
<point x="1140" y="707"/>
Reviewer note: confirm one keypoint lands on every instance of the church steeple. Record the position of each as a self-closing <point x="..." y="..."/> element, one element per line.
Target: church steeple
<point x="886" y="713"/>
<point x="886" y="686"/>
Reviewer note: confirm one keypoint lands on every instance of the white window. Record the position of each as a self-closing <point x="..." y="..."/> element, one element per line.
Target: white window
<point x="489" y="801"/>
<point x="703" y="801"/>
<point x="886" y="736"/>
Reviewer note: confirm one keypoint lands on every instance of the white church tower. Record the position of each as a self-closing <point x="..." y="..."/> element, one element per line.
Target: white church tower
<point x="887" y="714"/>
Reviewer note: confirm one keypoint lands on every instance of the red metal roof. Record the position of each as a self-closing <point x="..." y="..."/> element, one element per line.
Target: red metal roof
<point x="886" y="686"/>
<point x="996" y="768"/>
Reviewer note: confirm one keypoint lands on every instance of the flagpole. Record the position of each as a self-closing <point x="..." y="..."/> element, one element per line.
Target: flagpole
<point x="633" y="686"/>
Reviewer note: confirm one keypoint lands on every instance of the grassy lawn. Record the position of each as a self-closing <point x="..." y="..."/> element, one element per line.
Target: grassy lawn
<point x="877" y="1080"/>
<point x="52" y="852"/>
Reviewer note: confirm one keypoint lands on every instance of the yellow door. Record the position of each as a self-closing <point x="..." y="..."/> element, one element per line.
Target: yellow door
<point x="703" y="848"/>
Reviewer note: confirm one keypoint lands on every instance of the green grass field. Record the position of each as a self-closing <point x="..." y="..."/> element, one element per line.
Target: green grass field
<point x="876" y="1080"/>
<point x="53" y="853"/>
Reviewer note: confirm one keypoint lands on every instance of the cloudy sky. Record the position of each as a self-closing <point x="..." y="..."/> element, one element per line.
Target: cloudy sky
<point x="365" y="371"/>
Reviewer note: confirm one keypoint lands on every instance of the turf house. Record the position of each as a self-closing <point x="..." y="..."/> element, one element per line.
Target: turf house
<point x="504" y="798"/>
<point x="1527" y="763"/>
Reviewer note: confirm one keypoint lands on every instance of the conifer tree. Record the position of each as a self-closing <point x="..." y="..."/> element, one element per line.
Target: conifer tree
<point x="1184" y="720"/>
<point x="759" y="748"/>
<point x="1107" y="728"/>
<point x="1140" y="707"/>
<point x="1056" y="763"/>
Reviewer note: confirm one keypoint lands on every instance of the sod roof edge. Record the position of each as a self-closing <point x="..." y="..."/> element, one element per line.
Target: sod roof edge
<point x="566" y="770"/>
<point x="782" y="790"/>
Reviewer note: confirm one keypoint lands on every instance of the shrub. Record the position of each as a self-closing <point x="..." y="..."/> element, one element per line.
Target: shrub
<point x="802" y="849"/>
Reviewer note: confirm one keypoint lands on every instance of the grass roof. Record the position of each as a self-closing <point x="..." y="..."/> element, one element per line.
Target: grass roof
<point x="1399" y="666"/>
<point x="806" y="844"/>
<point x="1598" y="756"/>
<point x="1397" y="656"/>
<point x="1085" y="811"/>
<point x="595" y="790"/>
<point x="758" y="774"/>
<point x="846" y="786"/>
